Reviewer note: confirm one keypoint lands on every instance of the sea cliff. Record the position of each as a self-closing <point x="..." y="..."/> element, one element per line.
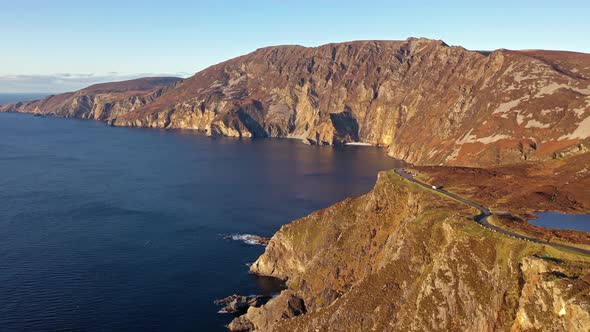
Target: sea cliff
<point x="404" y="258"/>
<point x="428" y="102"/>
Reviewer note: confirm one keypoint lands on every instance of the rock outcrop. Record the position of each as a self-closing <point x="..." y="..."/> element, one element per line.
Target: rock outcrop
<point x="285" y="306"/>
<point x="402" y="258"/>
<point x="235" y="303"/>
<point x="248" y="239"/>
<point x="430" y="103"/>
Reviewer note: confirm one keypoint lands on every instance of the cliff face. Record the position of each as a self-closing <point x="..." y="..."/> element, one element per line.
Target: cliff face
<point x="429" y="102"/>
<point x="401" y="258"/>
<point x="98" y="102"/>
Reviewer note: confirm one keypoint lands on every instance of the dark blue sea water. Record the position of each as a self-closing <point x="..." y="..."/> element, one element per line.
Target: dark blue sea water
<point x="118" y="229"/>
<point x="7" y="98"/>
<point x="579" y="222"/>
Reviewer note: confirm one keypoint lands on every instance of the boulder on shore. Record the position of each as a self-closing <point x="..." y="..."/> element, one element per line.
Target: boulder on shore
<point x="239" y="304"/>
<point x="285" y="306"/>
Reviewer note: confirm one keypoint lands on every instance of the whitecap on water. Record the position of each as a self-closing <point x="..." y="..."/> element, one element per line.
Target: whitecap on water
<point x="250" y="239"/>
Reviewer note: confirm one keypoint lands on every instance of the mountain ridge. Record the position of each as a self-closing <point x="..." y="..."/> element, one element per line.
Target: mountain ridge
<point x="471" y="108"/>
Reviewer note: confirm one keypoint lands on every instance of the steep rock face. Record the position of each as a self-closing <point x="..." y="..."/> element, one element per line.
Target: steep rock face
<point x="401" y="258"/>
<point x="547" y="293"/>
<point x="98" y="102"/>
<point x="431" y="103"/>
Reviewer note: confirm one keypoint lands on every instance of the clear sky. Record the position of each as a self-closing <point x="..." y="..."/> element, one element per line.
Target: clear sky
<point x="57" y="45"/>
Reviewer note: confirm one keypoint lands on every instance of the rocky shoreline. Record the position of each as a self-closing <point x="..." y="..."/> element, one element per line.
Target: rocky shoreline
<point x="239" y="304"/>
<point x="262" y="318"/>
<point x="401" y="258"/>
<point x="248" y="239"/>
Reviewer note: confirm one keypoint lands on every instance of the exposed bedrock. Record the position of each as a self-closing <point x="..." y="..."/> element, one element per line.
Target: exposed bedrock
<point x="430" y="103"/>
<point x="402" y="258"/>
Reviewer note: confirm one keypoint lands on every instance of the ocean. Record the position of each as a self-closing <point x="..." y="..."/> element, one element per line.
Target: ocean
<point x="120" y="229"/>
<point x="7" y="98"/>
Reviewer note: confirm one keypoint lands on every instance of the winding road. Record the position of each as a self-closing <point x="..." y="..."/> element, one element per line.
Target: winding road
<point x="482" y="218"/>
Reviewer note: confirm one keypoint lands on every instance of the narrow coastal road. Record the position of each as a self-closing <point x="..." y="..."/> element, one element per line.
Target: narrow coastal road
<point x="482" y="218"/>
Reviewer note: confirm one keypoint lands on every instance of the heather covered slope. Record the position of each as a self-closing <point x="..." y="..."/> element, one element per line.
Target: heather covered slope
<point x="403" y="258"/>
<point x="555" y="185"/>
<point x="429" y="102"/>
<point x="100" y="101"/>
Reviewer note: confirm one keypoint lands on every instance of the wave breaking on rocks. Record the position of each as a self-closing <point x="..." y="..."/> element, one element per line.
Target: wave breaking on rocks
<point x="251" y="239"/>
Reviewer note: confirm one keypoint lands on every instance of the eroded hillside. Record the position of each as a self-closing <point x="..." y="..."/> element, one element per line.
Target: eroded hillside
<point x="430" y="103"/>
<point x="403" y="258"/>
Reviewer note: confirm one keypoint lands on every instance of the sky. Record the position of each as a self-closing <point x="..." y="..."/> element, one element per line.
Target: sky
<point x="64" y="45"/>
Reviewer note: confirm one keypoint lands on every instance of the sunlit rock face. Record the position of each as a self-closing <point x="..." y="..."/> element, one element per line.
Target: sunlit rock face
<point x="430" y="103"/>
<point x="402" y="258"/>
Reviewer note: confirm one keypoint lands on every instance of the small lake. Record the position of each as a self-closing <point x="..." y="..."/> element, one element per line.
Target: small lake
<point x="555" y="220"/>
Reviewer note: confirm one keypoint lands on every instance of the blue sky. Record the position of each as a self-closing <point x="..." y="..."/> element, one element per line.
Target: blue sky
<point x="58" y="45"/>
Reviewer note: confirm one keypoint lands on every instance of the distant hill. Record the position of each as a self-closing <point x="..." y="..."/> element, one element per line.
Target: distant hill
<point x="100" y="101"/>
